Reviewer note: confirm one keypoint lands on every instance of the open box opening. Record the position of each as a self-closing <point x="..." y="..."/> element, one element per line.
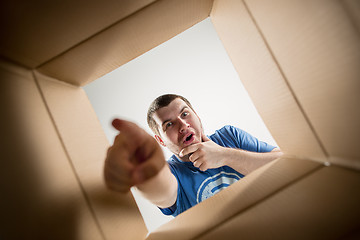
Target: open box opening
<point x="193" y="63"/>
<point x="298" y="61"/>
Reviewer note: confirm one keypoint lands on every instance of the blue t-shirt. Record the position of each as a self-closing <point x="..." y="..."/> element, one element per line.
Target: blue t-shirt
<point x="195" y="185"/>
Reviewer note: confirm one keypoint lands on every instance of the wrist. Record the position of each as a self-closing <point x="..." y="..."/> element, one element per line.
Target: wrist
<point x="230" y="156"/>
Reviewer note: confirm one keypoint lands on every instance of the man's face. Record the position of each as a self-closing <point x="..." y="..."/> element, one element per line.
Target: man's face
<point x="179" y="126"/>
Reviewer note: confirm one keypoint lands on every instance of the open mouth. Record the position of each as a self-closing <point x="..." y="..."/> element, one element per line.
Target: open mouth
<point x="189" y="138"/>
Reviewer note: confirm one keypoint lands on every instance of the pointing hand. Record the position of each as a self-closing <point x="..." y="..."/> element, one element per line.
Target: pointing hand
<point x="134" y="157"/>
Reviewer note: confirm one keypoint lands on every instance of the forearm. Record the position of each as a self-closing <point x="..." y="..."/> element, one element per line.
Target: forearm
<point x="245" y="162"/>
<point x="161" y="190"/>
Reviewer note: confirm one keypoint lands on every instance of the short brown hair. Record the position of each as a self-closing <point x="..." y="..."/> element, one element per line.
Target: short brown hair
<point x="160" y="102"/>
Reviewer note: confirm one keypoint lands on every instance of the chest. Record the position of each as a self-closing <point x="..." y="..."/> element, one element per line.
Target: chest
<point x="198" y="185"/>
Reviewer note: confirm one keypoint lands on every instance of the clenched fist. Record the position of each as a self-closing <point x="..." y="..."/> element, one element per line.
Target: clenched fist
<point x="134" y="158"/>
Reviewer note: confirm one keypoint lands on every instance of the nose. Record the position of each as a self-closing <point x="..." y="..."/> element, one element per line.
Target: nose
<point x="183" y="125"/>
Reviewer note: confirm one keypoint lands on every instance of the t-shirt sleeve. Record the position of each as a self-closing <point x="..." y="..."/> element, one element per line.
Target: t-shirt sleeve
<point x="174" y="209"/>
<point x="243" y="140"/>
<point x="170" y="210"/>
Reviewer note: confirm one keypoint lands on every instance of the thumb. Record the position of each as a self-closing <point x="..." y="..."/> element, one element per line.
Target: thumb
<point x="204" y="138"/>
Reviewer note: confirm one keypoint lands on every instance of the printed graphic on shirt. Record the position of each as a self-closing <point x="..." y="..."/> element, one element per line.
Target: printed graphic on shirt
<point x="214" y="184"/>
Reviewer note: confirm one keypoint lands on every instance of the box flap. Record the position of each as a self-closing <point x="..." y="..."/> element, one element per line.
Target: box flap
<point x="41" y="195"/>
<point x="237" y="198"/>
<point x="318" y="49"/>
<point x="322" y="205"/>
<point x="264" y="80"/>
<point x="37" y="31"/>
<point x="86" y="146"/>
<point x="126" y="40"/>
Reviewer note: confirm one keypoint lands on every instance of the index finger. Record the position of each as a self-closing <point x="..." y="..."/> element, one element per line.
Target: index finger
<point x="189" y="149"/>
<point x="131" y="136"/>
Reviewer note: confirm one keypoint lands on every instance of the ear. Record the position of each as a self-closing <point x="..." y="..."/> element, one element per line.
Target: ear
<point x="160" y="141"/>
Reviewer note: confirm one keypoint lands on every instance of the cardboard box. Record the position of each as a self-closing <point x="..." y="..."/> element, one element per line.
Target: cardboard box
<point x="299" y="61"/>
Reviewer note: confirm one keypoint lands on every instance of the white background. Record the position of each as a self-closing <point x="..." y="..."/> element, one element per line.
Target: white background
<point x="193" y="64"/>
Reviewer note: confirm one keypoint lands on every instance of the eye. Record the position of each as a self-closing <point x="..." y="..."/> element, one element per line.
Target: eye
<point x="167" y="125"/>
<point x="184" y="114"/>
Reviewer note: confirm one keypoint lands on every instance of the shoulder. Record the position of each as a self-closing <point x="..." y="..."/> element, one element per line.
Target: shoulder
<point x="173" y="163"/>
<point x="229" y="130"/>
<point x="228" y="136"/>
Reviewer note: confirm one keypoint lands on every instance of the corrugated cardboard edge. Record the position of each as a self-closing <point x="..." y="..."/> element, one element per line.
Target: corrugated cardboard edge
<point x="322" y="205"/>
<point x="249" y="191"/>
<point x="117" y="215"/>
<point x="317" y="49"/>
<point x="126" y="40"/>
<point x="33" y="34"/>
<point x="264" y="80"/>
<point x="42" y="195"/>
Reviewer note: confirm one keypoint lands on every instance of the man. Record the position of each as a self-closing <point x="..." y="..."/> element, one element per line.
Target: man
<point x="200" y="167"/>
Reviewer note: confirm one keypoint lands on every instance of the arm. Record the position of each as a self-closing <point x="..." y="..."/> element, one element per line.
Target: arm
<point x="245" y="162"/>
<point x="136" y="159"/>
<point x="208" y="154"/>
<point x="161" y="190"/>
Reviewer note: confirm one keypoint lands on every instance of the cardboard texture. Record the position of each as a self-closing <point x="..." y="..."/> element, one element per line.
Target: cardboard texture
<point x="256" y="187"/>
<point x="41" y="195"/>
<point x="299" y="61"/>
<point x="34" y="33"/>
<point x="264" y="80"/>
<point x="322" y="37"/>
<point x="319" y="204"/>
<point x="126" y="40"/>
<point x="353" y="8"/>
<point x="86" y="146"/>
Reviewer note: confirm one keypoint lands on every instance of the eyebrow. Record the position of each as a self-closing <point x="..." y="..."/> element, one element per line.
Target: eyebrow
<point x="168" y="120"/>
